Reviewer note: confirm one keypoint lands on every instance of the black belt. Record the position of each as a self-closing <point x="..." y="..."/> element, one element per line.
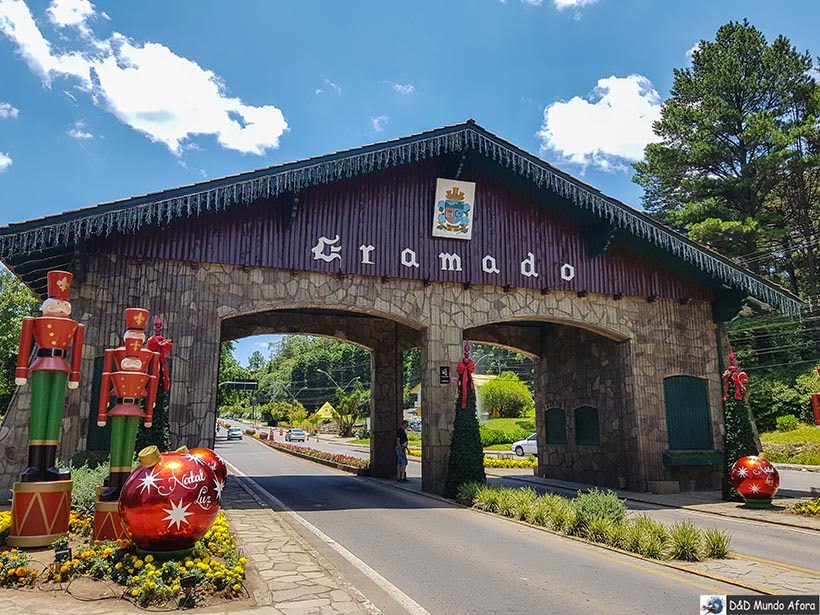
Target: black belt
<point x="126" y="400"/>
<point x="50" y="352"/>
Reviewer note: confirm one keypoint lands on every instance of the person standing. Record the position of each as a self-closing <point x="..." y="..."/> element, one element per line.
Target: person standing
<point x="401" y="453"/>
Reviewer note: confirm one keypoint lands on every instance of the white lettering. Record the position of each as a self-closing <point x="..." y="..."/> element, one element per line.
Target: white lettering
<point x="203" y="499"/>
<point x="366" y="250"/>
<point x="488" y="265"/>
<point x="409" y="258"/>
<point x="319" y="249"/>
<point x="450" y="262"/>
<point x="567" y="272"/>
<point x="528" y="266"/>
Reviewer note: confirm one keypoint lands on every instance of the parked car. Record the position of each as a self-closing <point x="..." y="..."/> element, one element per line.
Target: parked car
<point x="234" y="433"/>
<point x="523" y="447"/>
<point x="296" y="435"/>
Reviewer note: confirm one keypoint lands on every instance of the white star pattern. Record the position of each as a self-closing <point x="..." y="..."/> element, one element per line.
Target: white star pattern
<point x="754" y="488"/>
<point x="218" y="486"/>
<point x="177" y="514"/>
<point x="741" y="472"/>
<point x="196" y="459"/>
<point x="148" y="481"/>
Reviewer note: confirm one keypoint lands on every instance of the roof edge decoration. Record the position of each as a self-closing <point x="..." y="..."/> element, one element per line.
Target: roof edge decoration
<point x="130" y="215"/>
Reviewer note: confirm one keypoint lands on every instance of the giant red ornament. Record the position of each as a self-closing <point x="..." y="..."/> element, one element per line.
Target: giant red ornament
<point x="756" y="480"/>
<point x="169" y="502"/>
<point x="214" y="461"/>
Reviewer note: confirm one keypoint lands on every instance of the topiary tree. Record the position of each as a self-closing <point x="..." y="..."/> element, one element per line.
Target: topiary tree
<point x="507" y="397"/>
<point x="739" y="438"/>
<point x="466" y="463"/>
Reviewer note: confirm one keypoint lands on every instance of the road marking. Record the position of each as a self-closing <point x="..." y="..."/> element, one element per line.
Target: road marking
<point x="410" y="605"/>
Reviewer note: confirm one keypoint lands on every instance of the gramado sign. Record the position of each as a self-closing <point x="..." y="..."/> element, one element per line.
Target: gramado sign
<point x="453" y="217"/>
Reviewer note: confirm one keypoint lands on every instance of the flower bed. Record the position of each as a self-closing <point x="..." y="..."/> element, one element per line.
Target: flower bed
<point x="493" y="462"/>
<point x="214" y="568"/>
<point x="808" y="508"/>
<point x="599" y="517"/>
<point x="342" y="462"/>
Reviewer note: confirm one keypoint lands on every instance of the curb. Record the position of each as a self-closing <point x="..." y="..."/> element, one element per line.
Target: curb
<point x="665" y="564"/>
<point x="699" y="510"/>
<point x="796" y="467"/>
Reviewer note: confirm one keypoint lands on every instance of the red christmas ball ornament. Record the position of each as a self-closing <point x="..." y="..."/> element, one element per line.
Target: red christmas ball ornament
<point x="169" y="502"/>
<point x="214" y="461"/>
<point x="755" y="479"/>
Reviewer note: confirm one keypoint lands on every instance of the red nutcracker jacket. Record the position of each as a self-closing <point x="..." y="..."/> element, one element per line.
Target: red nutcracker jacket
<point x="128" y="386"/>
<point x="52" y="336"/>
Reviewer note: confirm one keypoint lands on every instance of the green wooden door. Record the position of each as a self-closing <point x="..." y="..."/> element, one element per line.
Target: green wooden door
<point x="687" y="413"/>
<point x="556" y="422"/>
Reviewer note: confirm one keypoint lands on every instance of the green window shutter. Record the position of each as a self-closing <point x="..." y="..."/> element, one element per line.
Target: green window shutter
<point x="556" y="422"/>
<point x="587" y="432"/>
<point x="99" y="438"/>
<point x="687" y="413"/>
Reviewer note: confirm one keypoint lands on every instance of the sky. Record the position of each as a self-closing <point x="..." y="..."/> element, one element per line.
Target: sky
<point x="105" y="100"/>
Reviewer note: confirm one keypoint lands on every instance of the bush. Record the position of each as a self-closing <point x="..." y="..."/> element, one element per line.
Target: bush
<point x="716" y="543"/>
<point x="808" y="508"/>
<point x="84" y="491"/>
<point x="787" y="422"/>
<point x="597" y="504"/>
<point x="507" y="396"/>
<point x="540" y="511"/>
<point x="564" y="518"/>
<point x="601" y="529"/>
<point x="647" y="537"/>
<point x="486" y="498"/>
<point x="771" y="398"/>
<point x="685" y="542"/>
<point x="467" y="493"/>
<point x="496" y="436"/>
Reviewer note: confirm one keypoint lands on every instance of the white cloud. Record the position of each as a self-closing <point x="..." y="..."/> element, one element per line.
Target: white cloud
<point x="378" y="122"/>
<point x="691" y="52"/>
<point x="79" y="132"/>
<point x="146" y="86"/>
<point x="401" y="88"/>
<point x="8" y="111"/>
<point x="64" y="13"/>
<point x="5" y="161"/>
<point x="568" y="4"/>
<point x="333" y="88"/>
<point x="610" y="128"/>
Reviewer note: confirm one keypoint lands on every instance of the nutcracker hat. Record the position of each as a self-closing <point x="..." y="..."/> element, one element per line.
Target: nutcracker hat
<point x="135" y="318"/>
<point x="59" y="284"/>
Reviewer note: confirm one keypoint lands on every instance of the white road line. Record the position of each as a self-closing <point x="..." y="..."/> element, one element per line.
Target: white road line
<point x="410" y="605"/>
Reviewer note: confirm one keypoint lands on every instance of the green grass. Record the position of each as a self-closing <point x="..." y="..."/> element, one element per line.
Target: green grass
<point x="509" y="425"/>
<point x="499" y="447"/>
<point x="805" y="433"/>
<point x="360" y="441"/>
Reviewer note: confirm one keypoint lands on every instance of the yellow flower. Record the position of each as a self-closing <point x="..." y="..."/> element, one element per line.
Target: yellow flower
<point x="118" y="566"/>
<point x="243" y="561"/>
<point x="138" y="564"/>
<point x="135" y="592"/>
<point x="236" y="587"/>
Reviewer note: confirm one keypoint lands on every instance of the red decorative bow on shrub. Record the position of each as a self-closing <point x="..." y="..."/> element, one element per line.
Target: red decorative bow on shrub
<point x="157" y="343"/>
<point x="738" y="378"/>
<point x="465" y="371"/>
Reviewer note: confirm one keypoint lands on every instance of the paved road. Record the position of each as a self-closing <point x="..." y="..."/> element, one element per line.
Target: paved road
<point x="784" y="545"/>
<point x="452" y="560"/>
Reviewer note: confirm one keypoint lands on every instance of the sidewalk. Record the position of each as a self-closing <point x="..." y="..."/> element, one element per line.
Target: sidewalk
<point x="703" y="501"/>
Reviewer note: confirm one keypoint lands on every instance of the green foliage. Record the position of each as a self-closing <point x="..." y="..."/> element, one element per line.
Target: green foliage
<point x="716" y="543"/>
<point x="564" y="518"/>
<point x="598" y="504"/>
<point x="507" y="396"/>
<point x="256" y="361"/>
<point x="738" y="439"/>
<point x="350" y="407"/>
<point x="229" y="370"/>
<point x="685" y="542"/>
<point x="159" y="434"/>
<point x="787" y="422"/>
<point x="602" y="529"/>
<point x="491" y="359"/>
<point x="275" y="412"/>
<point x="491" y="437"/>
<point x="411" y="360"/>
<point x="467" y="493"/>
<point x="772" y="398"/>
<point x="466" y="464"/>
<point x="16" y="302"/>
<point x="647" y="537"/>
<point x="486" y="497"/>
<point x="84" y="491"/>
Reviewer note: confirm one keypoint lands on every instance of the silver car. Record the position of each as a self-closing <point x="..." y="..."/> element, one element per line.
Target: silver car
<point x="528" y="445"/>
<point x="296" y="435"/>
<point x="234" y="433"/>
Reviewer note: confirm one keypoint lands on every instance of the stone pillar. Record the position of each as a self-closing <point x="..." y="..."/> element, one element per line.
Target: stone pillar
<point x="385" y="404"/>
<point x="442" y="346"/>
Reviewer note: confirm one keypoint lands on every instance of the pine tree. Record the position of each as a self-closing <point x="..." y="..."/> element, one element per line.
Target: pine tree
<point x="739" y="439"/>
<point x="466" y="453"/>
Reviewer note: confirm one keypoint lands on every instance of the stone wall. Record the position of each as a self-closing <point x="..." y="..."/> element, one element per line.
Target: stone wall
<point x="200" y="304"/>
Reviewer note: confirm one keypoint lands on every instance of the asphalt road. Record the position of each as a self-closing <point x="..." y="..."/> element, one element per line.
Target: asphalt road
<point x="453" y="560"/>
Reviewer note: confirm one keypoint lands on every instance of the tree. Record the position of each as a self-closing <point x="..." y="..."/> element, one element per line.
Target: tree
<point x="229" y="370"/>
<point x="466" y="463"/>
<point x="719" y="128"/>
<point x="350" y="407"/>
<point x="739" y="438"/>
<point x="507" y="397"/>
<point x="256" y="361"/>
<point x="298" y="415"/>
<point x="16" y="302"/>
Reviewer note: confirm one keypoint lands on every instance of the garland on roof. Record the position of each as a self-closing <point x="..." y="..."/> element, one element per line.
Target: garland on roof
<point x="243" y="192"/>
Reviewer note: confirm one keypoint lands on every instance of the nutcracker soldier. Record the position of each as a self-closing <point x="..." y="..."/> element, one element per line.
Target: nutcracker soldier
<point x="130" y="373"/>
<point x="53" y="334"/>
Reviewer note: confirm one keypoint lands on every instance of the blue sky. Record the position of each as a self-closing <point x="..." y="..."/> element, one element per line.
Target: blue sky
<point x="105" y="100"/>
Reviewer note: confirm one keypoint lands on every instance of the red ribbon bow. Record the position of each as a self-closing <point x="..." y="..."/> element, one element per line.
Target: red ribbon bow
<point x="738" y="378"/>
<point x="157" y="343"/>
<point x="465" y="371"/>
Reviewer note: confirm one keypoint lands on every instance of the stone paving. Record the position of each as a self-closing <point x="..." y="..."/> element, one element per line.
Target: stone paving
<point x="285" y="576"/>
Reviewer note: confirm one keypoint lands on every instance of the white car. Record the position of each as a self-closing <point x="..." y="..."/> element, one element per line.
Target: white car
<point x="296" y="435"/>
<point x="524" y="447"/>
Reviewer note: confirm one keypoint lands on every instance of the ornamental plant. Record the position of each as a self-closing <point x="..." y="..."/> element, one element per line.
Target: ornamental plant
<point x="15" y="569"/>
<point x="739" y="439"/>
